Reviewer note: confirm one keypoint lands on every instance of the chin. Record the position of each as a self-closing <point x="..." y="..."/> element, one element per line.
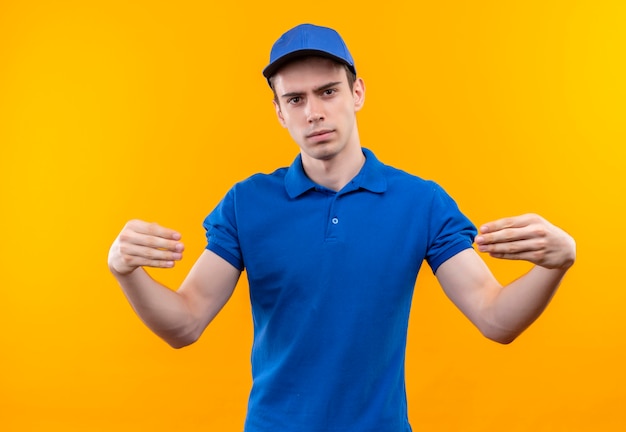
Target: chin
<point x="323" y="149"/>
<point x="323" y="152"/>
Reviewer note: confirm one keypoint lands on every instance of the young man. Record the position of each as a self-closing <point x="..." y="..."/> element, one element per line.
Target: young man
<point x="332" y="246"/>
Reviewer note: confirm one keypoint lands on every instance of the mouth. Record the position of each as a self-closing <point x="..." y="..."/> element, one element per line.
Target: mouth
<point x="318" y="134"/>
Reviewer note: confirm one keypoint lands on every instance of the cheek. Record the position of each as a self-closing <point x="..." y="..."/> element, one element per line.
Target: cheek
<point x="293" y="120"/>
<point x="348" y="114"/>
<point x="290" y="123"/>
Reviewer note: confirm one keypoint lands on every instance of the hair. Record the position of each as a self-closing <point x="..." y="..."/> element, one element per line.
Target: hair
<point x="349" y="74"/>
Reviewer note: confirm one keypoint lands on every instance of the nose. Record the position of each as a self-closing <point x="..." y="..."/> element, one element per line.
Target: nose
<point x="314" y="112"/>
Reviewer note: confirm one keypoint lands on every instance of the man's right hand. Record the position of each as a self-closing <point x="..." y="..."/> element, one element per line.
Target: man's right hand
<point x="144" y="244"/>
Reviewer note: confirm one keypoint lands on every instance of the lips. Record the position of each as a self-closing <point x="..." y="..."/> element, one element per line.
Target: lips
<point x="319" y="133"/>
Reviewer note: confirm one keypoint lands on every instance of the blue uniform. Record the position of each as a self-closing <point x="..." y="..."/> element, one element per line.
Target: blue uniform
<point x="331" y="278"/>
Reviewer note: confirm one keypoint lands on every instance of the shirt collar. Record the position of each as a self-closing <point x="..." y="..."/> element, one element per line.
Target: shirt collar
<point x="371" y="177"/>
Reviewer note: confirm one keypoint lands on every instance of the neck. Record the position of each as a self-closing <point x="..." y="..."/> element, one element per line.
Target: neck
<point x="336" y="172"/>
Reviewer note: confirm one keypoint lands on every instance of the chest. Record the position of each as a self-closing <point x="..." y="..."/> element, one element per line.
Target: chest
<point x="327" y="239"/>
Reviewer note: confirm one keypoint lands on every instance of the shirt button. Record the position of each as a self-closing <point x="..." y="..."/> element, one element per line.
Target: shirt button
<point x="335" y="221"/>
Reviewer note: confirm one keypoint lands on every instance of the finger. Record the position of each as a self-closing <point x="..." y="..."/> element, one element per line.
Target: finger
<point x="154" y="242"/>
<point x="128" y="260"/>
<point x="142" y="262"/>
<point x="135" y="253"/>
<point x="132" y="238"/>
<point x="151" y="235"/>
<point x="132" y="262"/>
<point x="509" y="222"/>
<point x="513" y="247"/>
<point x="539" y="256"/>
<point x="508" y="235"/>
<point x="126" y="257"/>
<point x="153" y="229"/>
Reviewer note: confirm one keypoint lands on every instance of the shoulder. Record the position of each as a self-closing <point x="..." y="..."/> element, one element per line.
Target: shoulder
<point x="252" y="192"/>
<point x="401" y="180"/>
<point x="396" y="177"/>
<point x="262" y="180"/>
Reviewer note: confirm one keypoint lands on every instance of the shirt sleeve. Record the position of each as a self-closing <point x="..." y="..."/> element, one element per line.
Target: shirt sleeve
<point x="221" y="231"/>
<point x="450" y="231"/>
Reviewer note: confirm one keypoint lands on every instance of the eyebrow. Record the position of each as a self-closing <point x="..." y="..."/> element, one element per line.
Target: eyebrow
<point x="315" y="90"/>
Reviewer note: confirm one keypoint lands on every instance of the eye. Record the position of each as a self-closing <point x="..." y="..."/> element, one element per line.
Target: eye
<point x="294" y="100"/>
<point x="330" y="92"/>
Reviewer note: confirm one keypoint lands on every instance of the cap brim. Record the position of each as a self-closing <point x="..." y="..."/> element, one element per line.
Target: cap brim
<point x="272" y="68"/>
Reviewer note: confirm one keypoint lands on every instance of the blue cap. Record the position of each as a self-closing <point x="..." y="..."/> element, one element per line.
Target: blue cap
<point x="308" y="40"/>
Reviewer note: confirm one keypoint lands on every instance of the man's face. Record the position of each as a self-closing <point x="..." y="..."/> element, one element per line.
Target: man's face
<point x="317" y="106"/>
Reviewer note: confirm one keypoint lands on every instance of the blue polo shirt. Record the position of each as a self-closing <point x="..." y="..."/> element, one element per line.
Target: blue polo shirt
<point x="331" y="277"/>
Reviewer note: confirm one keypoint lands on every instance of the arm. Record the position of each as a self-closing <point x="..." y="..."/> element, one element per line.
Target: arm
<point x="501" y="312"/>
<point x="178" y="317"/>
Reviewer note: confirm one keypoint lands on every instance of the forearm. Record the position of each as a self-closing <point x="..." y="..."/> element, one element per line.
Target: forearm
<point x="519" y="304"/>
<point x="164" y="311"/>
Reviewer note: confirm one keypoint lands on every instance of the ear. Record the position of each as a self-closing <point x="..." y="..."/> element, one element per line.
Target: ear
<point x="279" y="114"/>
<point x="358" y="92"/>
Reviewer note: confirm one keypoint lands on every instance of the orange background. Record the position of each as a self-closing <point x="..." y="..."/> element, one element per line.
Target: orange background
<point x="148" y="109"/>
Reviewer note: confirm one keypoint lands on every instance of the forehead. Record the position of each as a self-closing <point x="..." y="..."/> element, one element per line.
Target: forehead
<point x="308" y="72"/>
